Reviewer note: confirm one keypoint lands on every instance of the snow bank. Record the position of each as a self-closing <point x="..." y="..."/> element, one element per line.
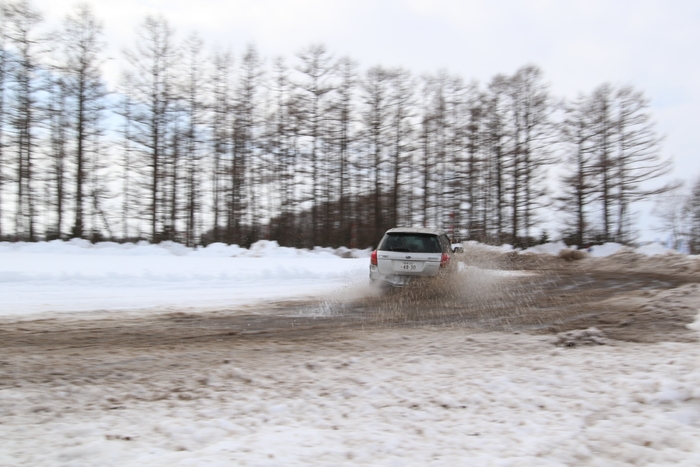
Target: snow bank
<point x="79" y="276"/>
<point x="554" y="248"/>
<point x="653" y="249"/>
<point x="548" y="248"/>
<point x="476" y="246"/>
<point x="604" y="250"/>
<point x="260" y="249"/>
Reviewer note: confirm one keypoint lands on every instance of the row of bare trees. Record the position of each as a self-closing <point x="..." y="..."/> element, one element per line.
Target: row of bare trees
<point x="611" y="153"/>
<point x="199" y="146"/>
<point x="52" y="103"/>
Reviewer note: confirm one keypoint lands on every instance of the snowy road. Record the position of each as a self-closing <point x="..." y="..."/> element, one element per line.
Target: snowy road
<point x="464" y="374"/>
<point x="430" y="396"/>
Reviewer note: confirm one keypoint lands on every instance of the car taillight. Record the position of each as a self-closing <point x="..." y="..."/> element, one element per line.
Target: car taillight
<point x="445" y="260"/>
<point x="373" y="258"/>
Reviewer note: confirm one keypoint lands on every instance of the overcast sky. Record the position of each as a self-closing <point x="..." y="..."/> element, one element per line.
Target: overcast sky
<point x="652" y="45"/>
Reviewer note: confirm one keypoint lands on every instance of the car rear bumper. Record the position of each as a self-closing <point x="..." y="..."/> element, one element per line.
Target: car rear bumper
<point x="396" y="280"/>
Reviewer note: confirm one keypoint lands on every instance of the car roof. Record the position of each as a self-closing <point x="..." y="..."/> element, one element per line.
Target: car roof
<point x="420" y="230"/>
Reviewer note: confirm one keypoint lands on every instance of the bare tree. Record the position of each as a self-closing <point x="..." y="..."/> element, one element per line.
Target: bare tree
<point x="130" y="193"/>
<point x="241" y="205"/>
<point x="376" y="123"/>
<point x="82" y="44"/>
<point x="678" y="210"/>
<point x="441" y="153"/>
<point x="604" y="134"/>
<point x="98" y="177"/>
<point x="638" y="158"/>
<point x="579" y="178"/>
<point x="220" y="132"/>
<point x="441" y="127"/>
<point x="692" y="211"/>
<point x="347" y="74"/>
<point x="424" y="158"/>
<point x="154" y="60"/>
<point x="530" y="101"/>
<point x="473" y="132"/>
<point x="316" y="68"/>
<point x="4" y="72"/>
<point x="282" y="147"/>
<point x="194" y="108"/>
<point x="23" y="37"/>
<point x="496" y="141"/>
<point x="402" y="111"/>
<point x="57" y="114"/>
<point x="628" y="156"/>
<point x="456" y="163"/>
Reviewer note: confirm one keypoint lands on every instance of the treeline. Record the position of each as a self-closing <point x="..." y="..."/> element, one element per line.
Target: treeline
<point x="199" y="145"/>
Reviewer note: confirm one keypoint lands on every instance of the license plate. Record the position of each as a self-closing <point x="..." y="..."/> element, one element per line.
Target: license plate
<point x="408" y="266"/>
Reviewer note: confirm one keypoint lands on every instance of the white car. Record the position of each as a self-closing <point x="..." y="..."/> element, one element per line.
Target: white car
<point x="406" y="254"/>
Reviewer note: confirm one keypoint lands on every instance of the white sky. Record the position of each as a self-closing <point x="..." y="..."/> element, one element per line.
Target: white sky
<point x="653" y="45"/>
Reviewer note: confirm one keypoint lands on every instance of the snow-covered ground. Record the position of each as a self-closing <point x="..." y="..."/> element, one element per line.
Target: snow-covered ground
<point x="79" y="276"/>
<point x="413" y="397"/>
<point x="430" y="396"/>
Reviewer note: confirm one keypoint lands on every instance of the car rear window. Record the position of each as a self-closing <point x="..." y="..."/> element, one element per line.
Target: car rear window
<point x="411" y="242"/>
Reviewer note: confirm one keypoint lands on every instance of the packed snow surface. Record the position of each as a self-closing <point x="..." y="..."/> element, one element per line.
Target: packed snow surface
<point x="412" y="397"/>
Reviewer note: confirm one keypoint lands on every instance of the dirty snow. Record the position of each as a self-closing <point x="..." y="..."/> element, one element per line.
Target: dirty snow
<point x="412" y="397"/>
